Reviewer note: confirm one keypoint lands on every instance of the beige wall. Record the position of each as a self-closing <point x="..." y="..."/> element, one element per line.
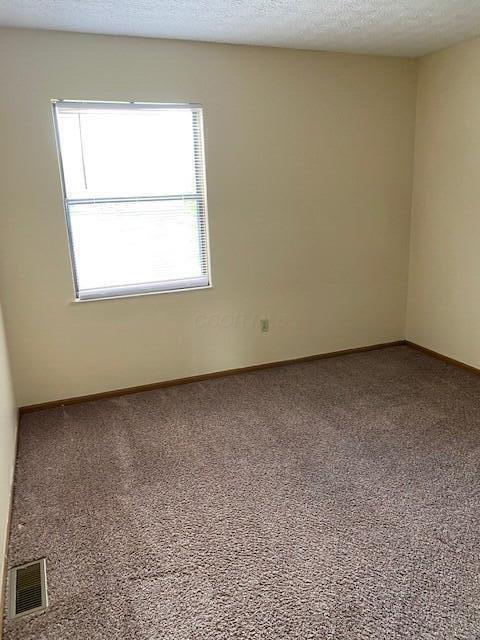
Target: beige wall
<point x="444" y="290"/>
<point x="309" y="168"/>
<point x="8" y="427"/>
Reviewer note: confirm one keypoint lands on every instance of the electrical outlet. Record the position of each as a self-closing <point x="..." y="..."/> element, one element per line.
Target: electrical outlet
<point x="264" y="325"/>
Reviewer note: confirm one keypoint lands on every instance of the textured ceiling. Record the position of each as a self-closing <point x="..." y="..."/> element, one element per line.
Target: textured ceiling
<point x="392" y="27"/>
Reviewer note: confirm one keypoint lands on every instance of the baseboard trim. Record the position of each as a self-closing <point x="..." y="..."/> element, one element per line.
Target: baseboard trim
<point x="199" y="378"/>
<point x="440" y="356"/>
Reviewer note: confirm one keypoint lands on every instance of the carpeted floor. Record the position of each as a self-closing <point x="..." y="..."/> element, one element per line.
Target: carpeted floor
<point x="334" y="500"/>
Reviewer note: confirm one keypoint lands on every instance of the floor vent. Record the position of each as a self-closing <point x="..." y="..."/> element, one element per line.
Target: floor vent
<point x="28" y="589"/>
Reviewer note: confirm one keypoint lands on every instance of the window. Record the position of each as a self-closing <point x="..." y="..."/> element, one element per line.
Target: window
<point x="134" y="187"/>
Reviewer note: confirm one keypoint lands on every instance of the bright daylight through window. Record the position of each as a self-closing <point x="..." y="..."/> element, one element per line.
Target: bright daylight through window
<point x="134" y="187"/>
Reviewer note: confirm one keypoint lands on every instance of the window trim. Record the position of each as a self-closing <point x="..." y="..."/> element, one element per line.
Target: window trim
<point x="200" y="195"/>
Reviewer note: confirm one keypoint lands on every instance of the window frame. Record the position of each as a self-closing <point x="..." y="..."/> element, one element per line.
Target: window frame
<point x="199" y="196"/>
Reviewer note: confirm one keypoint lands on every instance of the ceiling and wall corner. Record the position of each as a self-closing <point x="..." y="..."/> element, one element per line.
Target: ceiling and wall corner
<point x="398" y="28"/>
<point x="263" y="107"/>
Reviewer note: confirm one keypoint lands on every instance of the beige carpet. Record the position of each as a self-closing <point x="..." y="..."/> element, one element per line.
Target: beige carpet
<point x="335" y="500"/>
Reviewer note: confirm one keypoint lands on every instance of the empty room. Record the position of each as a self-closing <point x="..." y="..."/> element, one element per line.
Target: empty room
<point x="240" y="320"/>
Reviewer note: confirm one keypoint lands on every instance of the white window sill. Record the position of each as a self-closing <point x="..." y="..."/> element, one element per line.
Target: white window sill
<point x="140" y="294"/>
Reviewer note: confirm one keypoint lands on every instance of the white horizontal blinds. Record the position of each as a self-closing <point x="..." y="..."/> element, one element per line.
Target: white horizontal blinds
<point x="200" y="188"/>
<point x="134" y="183"/>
